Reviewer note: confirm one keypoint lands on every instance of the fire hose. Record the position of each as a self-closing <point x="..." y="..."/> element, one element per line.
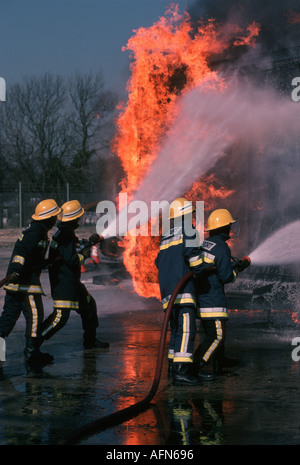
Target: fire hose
<point x="127" y="413"/>
<point x="4" y="280"/>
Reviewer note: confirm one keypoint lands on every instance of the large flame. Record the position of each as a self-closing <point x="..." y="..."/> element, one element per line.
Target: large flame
<point x="168" y="59"/>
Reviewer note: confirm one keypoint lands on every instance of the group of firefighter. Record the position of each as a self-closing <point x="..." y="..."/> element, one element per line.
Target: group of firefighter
<point x="202" y="297"/>
<point x="23" y="287"/>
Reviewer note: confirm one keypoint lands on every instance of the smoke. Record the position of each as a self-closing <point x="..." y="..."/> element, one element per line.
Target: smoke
<point x="279" y="21"/>
<point x="263" y="176"/>
<point x="226" y="131"/>
<point x="246" y="134"/>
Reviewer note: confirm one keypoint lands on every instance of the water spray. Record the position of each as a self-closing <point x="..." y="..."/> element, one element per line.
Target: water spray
<point x="281" y="248"/>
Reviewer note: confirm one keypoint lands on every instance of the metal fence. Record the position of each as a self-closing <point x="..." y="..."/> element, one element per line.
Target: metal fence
<point x="17" y="206"/>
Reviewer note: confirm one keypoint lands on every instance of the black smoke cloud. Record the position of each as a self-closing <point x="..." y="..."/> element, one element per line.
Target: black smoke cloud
<point x="279" y="20"/>
<point x="265" y="179"/>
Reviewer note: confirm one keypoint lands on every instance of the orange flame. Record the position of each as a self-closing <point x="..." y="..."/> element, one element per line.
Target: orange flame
<point x="294" y="17"/>
<point x="169" y="58"/>
<point x="253" y="30"/>
<point x="208" y="189"/>
<point x="295" y="317"/>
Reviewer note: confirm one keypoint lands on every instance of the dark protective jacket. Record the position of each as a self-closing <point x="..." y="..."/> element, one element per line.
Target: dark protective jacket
<point x="28" y="259"/>
<point x="174" y="260"/>
<point x="64" y="273"/>
<point x="212" y="301"/>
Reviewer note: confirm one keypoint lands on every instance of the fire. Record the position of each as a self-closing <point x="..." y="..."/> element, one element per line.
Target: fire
<point x="295" y="317"/>
<point x="169" y="58"/>
<point x="257" y="206"/>
<point x="294" y="17"/>
<point x="209" y="190"/>
<point x="253" y="30"/>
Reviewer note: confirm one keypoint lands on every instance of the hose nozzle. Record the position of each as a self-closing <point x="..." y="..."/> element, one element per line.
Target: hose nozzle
<point x="247" y="260"/>
<point x="95" y="239"/>
<point x="240" y="264"/>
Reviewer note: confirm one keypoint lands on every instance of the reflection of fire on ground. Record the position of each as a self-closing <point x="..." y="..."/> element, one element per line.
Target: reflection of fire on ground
<point x="169" y="58"/>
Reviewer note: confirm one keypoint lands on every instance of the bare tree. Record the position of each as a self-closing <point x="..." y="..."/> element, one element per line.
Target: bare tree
<point x="35" y="132"/>
<point x="91" y="120"/>
<point x="55" y="130"/>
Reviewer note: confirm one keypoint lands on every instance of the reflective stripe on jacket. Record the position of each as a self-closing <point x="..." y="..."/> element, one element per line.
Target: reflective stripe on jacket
<point x="211" y="296"/>
<point x="173" y="261"/>
<point x="28" y="259"/>
<point x="65" y="273"/>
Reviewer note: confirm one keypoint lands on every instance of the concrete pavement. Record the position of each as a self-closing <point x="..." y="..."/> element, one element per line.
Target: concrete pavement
<point x="256" y="403"/>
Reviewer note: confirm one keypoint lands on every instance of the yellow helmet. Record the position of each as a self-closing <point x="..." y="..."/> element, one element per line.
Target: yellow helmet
<point x="218" y="219"/>
<point x="46" y="209"/>
<point x="71" y="211"/>
<point x="180" y="207"/>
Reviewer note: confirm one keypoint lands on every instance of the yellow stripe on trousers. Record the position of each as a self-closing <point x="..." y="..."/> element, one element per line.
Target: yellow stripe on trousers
<point x="34" y="314"/>
<point x="185" y="336"/>
<point x="216" y="342"/>
<point x="183" y="342"/>
<point x="54" y="323"/>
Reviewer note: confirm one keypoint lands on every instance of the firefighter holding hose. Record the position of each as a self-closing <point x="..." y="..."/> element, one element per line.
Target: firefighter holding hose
<point x="210" y="289"/>
<point x="23" y="288"/>
<point x="173" y="261"/>
<point x="67" y="291"/>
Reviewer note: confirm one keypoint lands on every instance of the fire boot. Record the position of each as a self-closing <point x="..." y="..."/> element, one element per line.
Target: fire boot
<point x="182" y="377"/>
<point x="96" y="344"/>
<point x="204" y="374"/>
<point x="91" y="342"/>
<point x="32" y="353"/>
<point x="90" y="322"/>
<point x="170" y="368"/>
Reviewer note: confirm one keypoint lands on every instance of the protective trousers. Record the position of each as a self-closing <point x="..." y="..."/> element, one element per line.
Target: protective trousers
<point x="32" y="307"/>
<point x="213" y="347"/>
<point x="183" y="332"/>
<point x="87" y="311"/>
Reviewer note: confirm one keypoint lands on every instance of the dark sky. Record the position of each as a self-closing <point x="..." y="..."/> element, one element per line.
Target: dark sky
<point x="68" y="36"/>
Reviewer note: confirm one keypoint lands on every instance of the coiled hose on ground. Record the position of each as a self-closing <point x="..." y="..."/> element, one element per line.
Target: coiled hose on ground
<point x="127" y="413"/>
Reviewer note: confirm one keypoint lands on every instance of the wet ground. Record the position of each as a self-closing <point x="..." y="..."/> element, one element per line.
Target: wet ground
<point x="258" y="402"/>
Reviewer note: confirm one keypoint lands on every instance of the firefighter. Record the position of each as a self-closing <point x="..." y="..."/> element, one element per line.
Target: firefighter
<point x="23" y="289"/>
<point x="67" y="291"/>
<point x="210" y="290"/>
<point x="174" y="260"/>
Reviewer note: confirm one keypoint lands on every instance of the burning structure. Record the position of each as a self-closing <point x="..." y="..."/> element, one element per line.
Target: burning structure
<point x="210" y="116"/>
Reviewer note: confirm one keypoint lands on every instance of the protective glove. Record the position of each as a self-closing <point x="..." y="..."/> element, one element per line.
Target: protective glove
<point x="209" y="270"/>
<point x="86" y="252"/>
<point x="14" y="277"/>
<point x="240" y="264"/>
